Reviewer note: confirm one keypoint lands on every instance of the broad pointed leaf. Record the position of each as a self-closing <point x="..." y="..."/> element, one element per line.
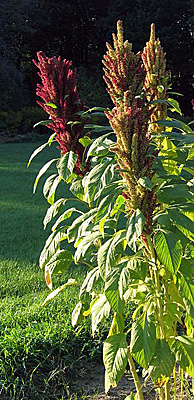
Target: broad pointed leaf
<point x="169" y="250"/>
<point x="115" y="356"/>
<point x="143" y="340"/>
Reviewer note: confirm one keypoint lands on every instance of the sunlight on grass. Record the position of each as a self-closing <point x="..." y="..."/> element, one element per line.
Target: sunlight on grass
<point x="34" y="341"/>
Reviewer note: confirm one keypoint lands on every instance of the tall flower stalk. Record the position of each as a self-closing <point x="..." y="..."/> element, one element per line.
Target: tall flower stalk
<point x="130" y="118"/>
<point x="62" y="102"/>
<point x="156" y="81"/>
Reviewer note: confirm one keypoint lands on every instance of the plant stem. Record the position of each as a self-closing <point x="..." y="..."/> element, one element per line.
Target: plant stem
<point x="135" y="377"/>
<point x="175" y="382"/>
<point x="167" y="391"/>
<point x="181" y="371"/>
<point x="158" y="288"/>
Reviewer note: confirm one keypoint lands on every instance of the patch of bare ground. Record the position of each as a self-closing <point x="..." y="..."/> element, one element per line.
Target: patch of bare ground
<point x="91" y="385"/>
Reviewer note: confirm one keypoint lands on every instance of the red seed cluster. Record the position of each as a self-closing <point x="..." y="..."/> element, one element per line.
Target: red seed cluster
<point x="59" y="87"/>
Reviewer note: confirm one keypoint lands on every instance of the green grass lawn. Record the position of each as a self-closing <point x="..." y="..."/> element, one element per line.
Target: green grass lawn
<point x="39" y="349"/>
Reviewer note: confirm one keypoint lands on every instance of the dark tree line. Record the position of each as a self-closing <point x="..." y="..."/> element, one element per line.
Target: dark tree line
<point x="78" y="30"/>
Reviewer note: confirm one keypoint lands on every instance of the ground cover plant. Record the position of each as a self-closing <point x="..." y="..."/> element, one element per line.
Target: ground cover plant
<point x="132" y="219"/>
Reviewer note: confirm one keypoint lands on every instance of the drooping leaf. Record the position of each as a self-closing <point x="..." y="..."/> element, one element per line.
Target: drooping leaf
<point x="175" y="105"/>
<point x="92" y="182"/>
<point x="143" y="340"/>
<point x="115" y="355"/>
<point x="99" y="311"/>
<point x="183" y="348"/>
<point x="183" y="223"/>
<point x="77" y="189"/>
<point x="35" y="152"/>
<point x="46" y="122"/>
<point x="73" y="230"/>
<point x="51" y="246"/>
<point x="42" y="171"/>
<point x="175" y="124"/>
<point x="91" y="278"/>
<point x="99" y="141"/>
<point x="52" y="295"/>
<point x="66" y="165"/>
<point x="109" y="251"/>
<point x="169" y="250"/>
<point x="186" y="287"/>
<point x="50" y="187"/>
<point x="162" y="362"/>
<point x="77" y="314"/>
<point x="112" y="291"/>
<point x="67" y="214"/>
<point x="85" y="245"/>
<point x="135" y="228"/>
<point x="53" y="211"/>
<point x="58" y="263"/>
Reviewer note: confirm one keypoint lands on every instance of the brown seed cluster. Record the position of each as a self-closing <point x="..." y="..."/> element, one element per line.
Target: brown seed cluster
<point x="156" y="81"/>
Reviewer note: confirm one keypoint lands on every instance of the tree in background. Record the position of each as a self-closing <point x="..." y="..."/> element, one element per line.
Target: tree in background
<point x="78" y="29"/>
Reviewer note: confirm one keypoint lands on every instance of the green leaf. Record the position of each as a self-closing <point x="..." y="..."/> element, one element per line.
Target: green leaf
<point x="50" y="187"/>
<point x="53" y="211"/>
<point x="58" y="263"/>
<point x="51" y="246"/>
<point x="183" y="348"/>
<point x="112" y="289"/>
<point x="191" y="154"/>
<point x="162" y="362"/>
<point x="99" y="141"/>
<point x="51" y="139"/>
<point x="91" y="278"/>
<point x="85" y="141"/>
<point x="109" y="251"/>
<point x="170" y="193"/>
<point x="35" y="152"/>
<point x="66" y="165"/>
<point x="72" y="123"/>
<point x="143" y="340"/>
<point x="73" y="230"/>
<point x="99" y="311"/>
<point x="115" y="356"/>
<point x="135" y="228"/>
<point x="46" y="122"/>
<point x="88" y="242"/>
<point x="77" y="314"/>
<point x="92" y="182"/>
<point x="146" y="183"/>
<point x="183" y="223"/>
<point x="175" y="105"/>
<point x="186" y="288"/>
<point x="98" y="128"/>
<point x="169" y="250"/>
<point x="175" y="124"/>
<point x="42" y="171"/>
<point x="52" y="295"/>
<point x="77" y="189"/>
<point x="52" y="105"/>
<point x="67" y="214"/>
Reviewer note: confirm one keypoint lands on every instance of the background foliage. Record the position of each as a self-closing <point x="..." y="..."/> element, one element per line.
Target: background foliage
<point x="77" y="30"/>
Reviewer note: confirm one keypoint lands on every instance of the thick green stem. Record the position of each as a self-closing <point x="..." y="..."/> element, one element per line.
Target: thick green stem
<point x="135" y="378"/>
<point x="158" y="288"/>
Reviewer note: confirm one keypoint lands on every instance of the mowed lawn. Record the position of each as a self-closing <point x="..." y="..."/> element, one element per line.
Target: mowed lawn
<point x="39" y="349"/>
